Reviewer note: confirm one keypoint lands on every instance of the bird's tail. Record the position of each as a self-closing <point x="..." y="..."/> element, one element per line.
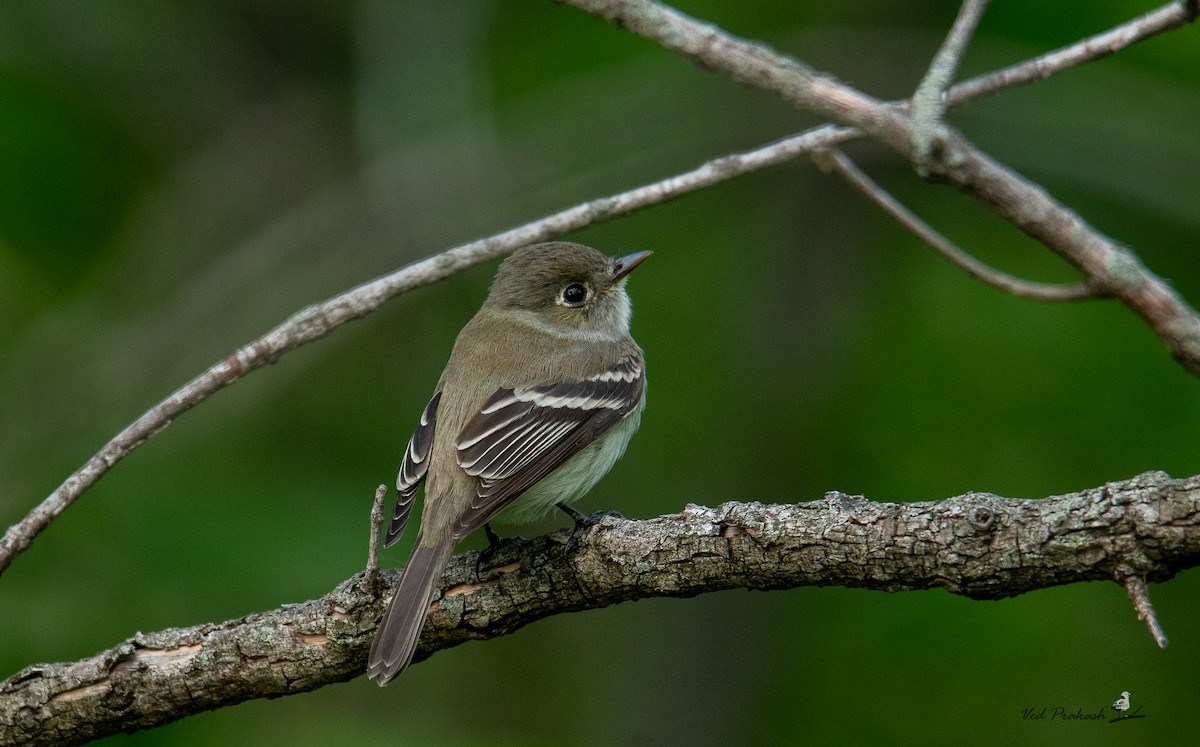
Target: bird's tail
<point x="398" y="631"/>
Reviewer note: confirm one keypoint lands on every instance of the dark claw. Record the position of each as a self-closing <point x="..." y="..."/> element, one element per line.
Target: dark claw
<point x="583" y="524"/>
<point x="485" y="557"/>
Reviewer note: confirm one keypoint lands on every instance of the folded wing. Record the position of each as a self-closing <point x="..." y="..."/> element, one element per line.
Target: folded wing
<point x="521" y="435"/>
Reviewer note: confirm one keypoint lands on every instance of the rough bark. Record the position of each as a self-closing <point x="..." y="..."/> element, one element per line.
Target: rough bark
<point x="979" y="545"/>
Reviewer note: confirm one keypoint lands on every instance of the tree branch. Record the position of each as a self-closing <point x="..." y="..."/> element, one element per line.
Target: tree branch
<point x="953" y="159"/>
<point x="929" y="100"/>
<point x="1167" y="18"/>
<point x="978" y="545"/>
<point x="320" y="319"/>
<point x="838" y="161"/>
<point x="1135" y="587"/>
<point x="373" y="541"/>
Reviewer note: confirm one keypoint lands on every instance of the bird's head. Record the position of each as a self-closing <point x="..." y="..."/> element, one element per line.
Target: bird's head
<point x="567" y="287"/>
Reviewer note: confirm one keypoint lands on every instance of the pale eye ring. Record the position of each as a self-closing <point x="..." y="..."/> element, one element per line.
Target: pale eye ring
<point x="574" y="294"/>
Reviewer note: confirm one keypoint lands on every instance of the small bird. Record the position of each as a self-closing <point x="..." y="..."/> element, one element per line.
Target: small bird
<point x="542" y="392"/>
<point x="1122" y="703"/>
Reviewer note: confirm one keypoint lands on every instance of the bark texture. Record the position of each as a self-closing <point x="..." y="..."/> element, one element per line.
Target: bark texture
<point x="979" y="545"/>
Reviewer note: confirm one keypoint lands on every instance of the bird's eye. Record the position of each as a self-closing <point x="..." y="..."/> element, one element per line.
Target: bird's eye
<point x="574" y="294"/>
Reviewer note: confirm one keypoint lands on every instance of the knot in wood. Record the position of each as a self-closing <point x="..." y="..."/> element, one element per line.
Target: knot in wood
<point x="981" y="517"/>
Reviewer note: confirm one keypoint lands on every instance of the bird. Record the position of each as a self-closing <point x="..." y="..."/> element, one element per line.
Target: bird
<point x="1121" y="703"/>
<point x="542" y="392"/>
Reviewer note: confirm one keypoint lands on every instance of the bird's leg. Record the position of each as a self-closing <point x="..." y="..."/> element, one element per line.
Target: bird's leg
<point x="583" y="524"/>
<point x="485" y="556"/>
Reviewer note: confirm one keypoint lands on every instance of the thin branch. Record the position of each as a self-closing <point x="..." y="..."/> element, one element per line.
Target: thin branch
<point x="1167" y="18"/>
<point x="1105" y="263"/>
<point x="373" y="544"/>
<point x="929" y="100"/>
<point x="978" y="545"/>
<point x="319" y="320"/>
<point x="839" y="162"/>
<point x="1135" y="586"/>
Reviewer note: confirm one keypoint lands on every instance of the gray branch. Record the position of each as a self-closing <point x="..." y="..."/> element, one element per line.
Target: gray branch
<point x="1165" y="18"/>
<point x="929" y="100"/>
<point x="836" y="160"/>
<point x="978" y="545"/>
<point x="1107" y="266"/>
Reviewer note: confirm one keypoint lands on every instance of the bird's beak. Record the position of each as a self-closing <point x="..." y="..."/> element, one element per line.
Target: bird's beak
<point x="624" y="265"/>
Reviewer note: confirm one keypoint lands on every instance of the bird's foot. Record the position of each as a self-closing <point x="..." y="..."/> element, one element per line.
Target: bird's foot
<point x="583" y="523"/>
<point x="495" y="542"/>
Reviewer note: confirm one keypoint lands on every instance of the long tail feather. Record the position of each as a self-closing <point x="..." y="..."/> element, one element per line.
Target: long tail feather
<point x="398" y="632"/>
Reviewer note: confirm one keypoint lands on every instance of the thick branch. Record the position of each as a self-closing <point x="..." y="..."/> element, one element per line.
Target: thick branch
<point x="1107" y="265"/>
<point x="978" y="545"/>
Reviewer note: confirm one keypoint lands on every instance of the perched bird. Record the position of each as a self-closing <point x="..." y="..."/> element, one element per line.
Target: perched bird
<point x="1122" y="703"/>
<point x="542" y="392"/>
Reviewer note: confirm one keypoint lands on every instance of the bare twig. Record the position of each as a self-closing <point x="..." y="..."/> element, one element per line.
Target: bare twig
<point x="373" y="544"/>
<point x="929" y="100"/>
<point x="1106" y="264"/>
<point x="978" y="545"/>
<point x="838" y="161"/>
<point x="1135" y="586"/>
<point x="1169" y="17"/>
<point x="319" y="320"/>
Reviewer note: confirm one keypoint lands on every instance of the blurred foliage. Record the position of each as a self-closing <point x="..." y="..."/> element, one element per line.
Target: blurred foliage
<point x="176" y="178"/>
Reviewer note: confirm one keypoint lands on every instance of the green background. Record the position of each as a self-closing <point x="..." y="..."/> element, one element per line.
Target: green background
<point x="176" y="178"/>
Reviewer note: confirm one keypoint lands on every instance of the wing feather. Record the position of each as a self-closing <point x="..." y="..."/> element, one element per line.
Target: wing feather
<point x="412" y="470"/>
<point x="521" y="435"/>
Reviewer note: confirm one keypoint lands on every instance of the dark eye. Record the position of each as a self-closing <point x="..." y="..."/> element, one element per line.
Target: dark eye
<point x="574" y="294"/>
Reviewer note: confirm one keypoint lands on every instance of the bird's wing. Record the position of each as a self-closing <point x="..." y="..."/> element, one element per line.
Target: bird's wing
<point x="412" y="470"/>
<point x="521" y="435"/>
